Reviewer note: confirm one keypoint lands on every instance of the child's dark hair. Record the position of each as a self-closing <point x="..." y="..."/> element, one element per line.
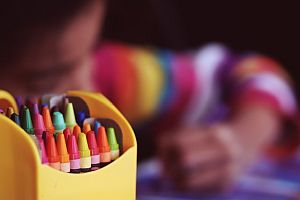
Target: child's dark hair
<point x="20" y="18"/>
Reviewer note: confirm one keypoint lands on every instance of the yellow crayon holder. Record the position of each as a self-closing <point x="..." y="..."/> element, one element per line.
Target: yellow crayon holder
<point x="23" y="176"/>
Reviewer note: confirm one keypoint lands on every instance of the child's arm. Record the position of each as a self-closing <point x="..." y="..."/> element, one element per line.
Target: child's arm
<point x="213" y="157"/>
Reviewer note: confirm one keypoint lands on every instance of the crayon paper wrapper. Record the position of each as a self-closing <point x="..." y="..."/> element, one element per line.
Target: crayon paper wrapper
<point x="95" y="159"/>
<point x="85" y="162"/>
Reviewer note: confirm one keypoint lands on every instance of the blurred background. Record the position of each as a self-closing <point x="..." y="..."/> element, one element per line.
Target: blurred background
<point x="267" y="27"/>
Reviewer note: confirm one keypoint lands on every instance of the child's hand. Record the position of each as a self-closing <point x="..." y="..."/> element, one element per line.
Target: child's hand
<point x="213" y="157"/>
<point x="201" y="158"/>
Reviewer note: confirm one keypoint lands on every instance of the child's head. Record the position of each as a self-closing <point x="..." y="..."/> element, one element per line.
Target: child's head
<point x="45" y="45"/>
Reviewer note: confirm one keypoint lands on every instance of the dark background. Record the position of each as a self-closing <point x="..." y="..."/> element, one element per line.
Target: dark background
<point x="271" y="28"/>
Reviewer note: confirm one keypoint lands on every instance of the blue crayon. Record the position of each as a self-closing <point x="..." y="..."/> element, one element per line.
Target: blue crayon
<point x="80" y="117"/>
<point x="96" y="127"/>
<point x="16" y="118"/>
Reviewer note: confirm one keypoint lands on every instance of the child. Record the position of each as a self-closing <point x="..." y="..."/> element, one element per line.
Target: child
<point x="46" y="52"/>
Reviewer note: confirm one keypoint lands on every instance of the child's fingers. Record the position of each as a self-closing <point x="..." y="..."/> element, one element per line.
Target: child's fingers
<point x="217" y="177"/>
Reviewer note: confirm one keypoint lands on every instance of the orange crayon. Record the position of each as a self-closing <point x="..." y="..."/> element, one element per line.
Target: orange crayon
<point x="87" y="128"/>
<point x="47" y="120"/>
<point x="63" y="153"/>
<point x="104" y="149"/>
<point x="76" y="131"/>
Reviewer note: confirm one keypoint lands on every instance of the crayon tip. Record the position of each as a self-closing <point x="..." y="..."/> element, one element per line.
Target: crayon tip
<point x="76" y="131"/>
<point x="2" y="111"/>
<point x="67" y="133"/>
<point x="27" y="122"/>
<point x="39" y="126"/>
<point x="9" y="112"/>
<point x="86" y="128"/>
<point x="43" y="151"/>
<point x="70" y="116"/>
<point x="73" y="148"/>
<point x="47" y="120"/>
<point x="96" y="127"/>
<point x="91" y="138"/>
<point x="58" y="122"/>
<point x="62" y="148"/>
<point x="83" y="146"/>
<point x="102" y="140"/>
<point x="35" y="109"/>
<point x="80" y="117"/>
<point x="19" y="101"/>
<point x="44" y="105"/>
<point x="52" y="153"/>
<point x="112" y="140"/>
<point x="16" y="118"/>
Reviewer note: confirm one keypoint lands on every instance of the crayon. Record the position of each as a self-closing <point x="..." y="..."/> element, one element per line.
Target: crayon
<point x="86" y="128"/>
<point x="63" y="153"/>
<point x="29" y="102"/>
<point x="39" y="126"/>
<point x="15" y="118"/>
<point x="89" y="120"/>
<point x="45" y="99"/>
<point x="26" y="122"/>
<point x="56" y="101"/>
<point x="85" y="157"/>
<point x="9" y="112"/>
<point x="45" y="135"/>
<point x="113" y="143"/>
<point x="76" y="131"/>
<point x="58" y="122"/>
<point x="35" y="109"/>
<point x="2" y="112"/>
<point x="70" y="116"/>
<point x="44" y="158"/>
<point x="52" y="153"/>
<point x="47" y="120"/>
<point x="73" y="154"/>
<point x="23" y="107"/>
<point x="95" y="155"/>
<point x="65" y="103"/>
<point x="19" y="101"/>
<point x="96" y="127"/>
<point x="80" y="117"/>
<point x="104" y="149"/>
<point x="67" y="134"/>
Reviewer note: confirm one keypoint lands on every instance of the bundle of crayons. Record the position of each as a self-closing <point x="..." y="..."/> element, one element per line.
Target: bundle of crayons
<point x="65" y="142"/>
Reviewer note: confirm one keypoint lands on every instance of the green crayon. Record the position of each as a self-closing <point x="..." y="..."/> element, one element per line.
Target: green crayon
<point x="113" y="143"/>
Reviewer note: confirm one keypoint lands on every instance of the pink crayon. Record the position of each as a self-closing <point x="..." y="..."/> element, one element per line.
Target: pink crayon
<point x="39" y="126"/>
<point x="45" y="160"/>
<point x="73" y="154"/>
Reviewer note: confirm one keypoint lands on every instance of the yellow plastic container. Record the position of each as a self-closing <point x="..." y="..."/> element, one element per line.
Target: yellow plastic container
<point x="22" y="176"/>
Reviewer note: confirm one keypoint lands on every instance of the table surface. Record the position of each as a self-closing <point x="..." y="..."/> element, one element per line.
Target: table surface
<point x="266" y="179"/>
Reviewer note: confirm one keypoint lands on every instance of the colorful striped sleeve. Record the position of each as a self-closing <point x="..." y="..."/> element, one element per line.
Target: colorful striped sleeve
<point x="259" y="79"/>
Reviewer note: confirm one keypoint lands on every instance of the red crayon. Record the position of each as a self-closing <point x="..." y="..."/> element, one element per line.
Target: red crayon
<point x="52" y="153"/>
<point x="67" y="133"/>
<point x="95" y="155"/>
<point x="73" y="154"/>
